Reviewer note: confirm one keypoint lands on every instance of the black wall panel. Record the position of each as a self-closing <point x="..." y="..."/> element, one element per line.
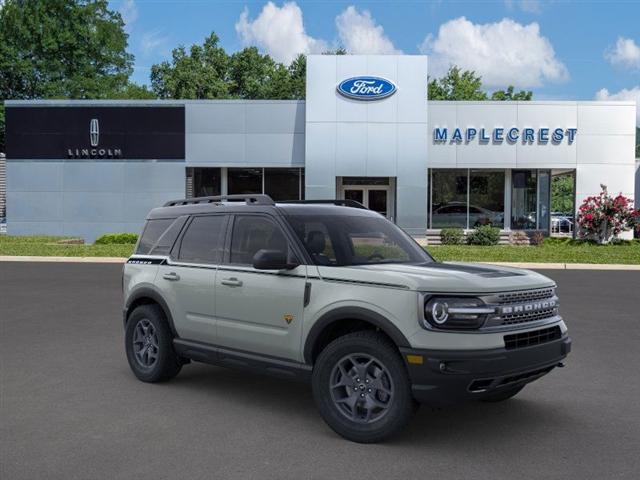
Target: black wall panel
<point x="128" y="132"/>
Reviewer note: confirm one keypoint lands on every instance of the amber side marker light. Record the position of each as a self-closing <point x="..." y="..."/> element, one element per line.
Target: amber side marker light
<point x="415" y="359"/>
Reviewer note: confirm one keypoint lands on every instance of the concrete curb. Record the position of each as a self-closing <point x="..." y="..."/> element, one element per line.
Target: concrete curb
<point x="8" y="258"/>
<point x="531" y="266"/>
<point x="567" y="266"/>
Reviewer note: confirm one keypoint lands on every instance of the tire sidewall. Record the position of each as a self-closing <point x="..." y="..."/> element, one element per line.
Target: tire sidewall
<point x="166" y="361"/>
<point x="402" y="404"/>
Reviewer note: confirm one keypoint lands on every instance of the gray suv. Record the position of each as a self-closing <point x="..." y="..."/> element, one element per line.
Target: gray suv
<point x="334" y="294"/>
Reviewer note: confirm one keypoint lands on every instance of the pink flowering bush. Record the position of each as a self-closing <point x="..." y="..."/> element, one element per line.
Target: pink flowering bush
<point x="604" y="217"/>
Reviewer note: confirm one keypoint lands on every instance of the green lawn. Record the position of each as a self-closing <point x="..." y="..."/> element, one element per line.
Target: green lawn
<point x="583" y="253"/>
<point x="45" y="246"/>
<point x="628" y="253"/>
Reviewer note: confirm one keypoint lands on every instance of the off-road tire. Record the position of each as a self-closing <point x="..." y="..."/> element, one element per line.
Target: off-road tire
<point x="166" y="364"/>
<point x="400" y="403"/>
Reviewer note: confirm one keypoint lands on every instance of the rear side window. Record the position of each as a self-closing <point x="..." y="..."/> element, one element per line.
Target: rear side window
<point x="204" y="239"/>
<point x="168" y="238"/>
<point x="152" y="232"/>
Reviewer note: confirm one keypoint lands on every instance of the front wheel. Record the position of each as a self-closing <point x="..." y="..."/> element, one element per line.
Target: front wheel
<point x="361" y="387"/>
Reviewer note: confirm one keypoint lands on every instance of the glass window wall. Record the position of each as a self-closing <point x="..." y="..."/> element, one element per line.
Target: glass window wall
<point x="486" y="198"/>
<point x="449" y="198"/>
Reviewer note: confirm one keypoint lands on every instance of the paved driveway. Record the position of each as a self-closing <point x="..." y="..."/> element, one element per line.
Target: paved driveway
<point x="70" y="408"/>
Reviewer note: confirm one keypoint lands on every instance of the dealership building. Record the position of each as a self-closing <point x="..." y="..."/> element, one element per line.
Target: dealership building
<point x="365" y="132"/>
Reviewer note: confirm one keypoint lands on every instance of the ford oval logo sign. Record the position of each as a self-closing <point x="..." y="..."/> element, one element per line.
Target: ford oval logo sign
<point x="366" y="88"/>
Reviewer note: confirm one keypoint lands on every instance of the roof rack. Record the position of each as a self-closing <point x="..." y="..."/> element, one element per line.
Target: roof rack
<point x="249" y="200"/>
<point x="338" y="202"/>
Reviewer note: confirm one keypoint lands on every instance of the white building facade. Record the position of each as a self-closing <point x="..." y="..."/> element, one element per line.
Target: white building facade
<point x="365" y="132"/>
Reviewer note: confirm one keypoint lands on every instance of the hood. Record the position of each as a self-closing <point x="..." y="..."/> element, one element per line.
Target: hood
<point x="447" y="277"/>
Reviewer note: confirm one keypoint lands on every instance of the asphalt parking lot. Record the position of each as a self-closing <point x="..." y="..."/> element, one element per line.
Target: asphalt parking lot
<point x="71" y="409"/>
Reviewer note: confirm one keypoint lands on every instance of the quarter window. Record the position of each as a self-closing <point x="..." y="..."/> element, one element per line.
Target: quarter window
<point x="203" y="240"/>
<point x="151" y="234"/>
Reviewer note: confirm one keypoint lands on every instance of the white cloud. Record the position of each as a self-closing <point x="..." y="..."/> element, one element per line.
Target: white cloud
<point x="278" y="31"/>
<point x="151" y="41"/>
<point x="632" y="94"/>
<point x="129" y="12"/>
<point x="504" y="53"/>
<point x="359" y="33"/>
<point x="626" y="53"/>
<point x="528" y="6"/>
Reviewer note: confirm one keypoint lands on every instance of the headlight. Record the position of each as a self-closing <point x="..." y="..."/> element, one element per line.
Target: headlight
<point x="455" y="313"/>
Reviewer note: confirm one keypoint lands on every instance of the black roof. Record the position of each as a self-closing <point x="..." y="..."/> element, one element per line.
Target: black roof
<point x="257" y="203"/>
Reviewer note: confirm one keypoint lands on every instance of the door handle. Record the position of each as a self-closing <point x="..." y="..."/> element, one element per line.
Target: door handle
<point x="231" y="282"/>
<point x="172" y="276"/>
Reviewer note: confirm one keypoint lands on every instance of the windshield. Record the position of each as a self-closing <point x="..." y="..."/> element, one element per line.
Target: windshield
<point x="340" y="240"/>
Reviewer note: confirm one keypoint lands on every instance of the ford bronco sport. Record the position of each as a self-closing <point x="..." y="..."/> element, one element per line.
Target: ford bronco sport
<point x="332" y="293"/>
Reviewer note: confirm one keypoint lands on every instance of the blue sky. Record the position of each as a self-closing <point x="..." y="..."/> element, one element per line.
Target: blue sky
<point x="559" y="49"/>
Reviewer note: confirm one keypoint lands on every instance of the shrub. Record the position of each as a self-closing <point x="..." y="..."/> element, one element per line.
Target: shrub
<point x="117" y="239"/>
<point x="537" y="239"/>
<point x="603" y="217"/>
<point x="485" y="235"/>
<point x="451" y="236"/>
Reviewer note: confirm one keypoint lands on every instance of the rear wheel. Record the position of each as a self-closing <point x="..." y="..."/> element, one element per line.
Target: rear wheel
<point x="149" y="345"/>
<point x="361" y="387"/>
<point x="502" y="395"/>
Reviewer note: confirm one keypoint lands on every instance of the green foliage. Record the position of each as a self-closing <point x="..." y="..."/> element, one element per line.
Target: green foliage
<point x="61" y="49"/>
<point x="549" y="252"/>
<point x="562" y="193"/>
<point x="451" y="236"/>
<point x="207" y="72"/>
<point x="457" y="85"/>
<point x="117" y="239"/>
<point x="510" y="95"/>
<point x="484" y="235"/>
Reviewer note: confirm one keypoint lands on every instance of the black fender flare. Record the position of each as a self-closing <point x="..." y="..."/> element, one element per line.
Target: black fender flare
<point x="351" y="313"/>
<point x="146" y="292"/>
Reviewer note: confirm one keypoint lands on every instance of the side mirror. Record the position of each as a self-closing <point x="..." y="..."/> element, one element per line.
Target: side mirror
<point x="272" y="260"/>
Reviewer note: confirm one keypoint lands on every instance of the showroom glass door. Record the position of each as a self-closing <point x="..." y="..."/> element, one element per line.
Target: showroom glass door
<point x="356" y="194"/>
<point x="375" y="193"/>
<point x="377" y="200"/>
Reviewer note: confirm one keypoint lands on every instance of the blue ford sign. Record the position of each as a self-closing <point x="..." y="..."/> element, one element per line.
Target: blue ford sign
<point x="366" y="88"/>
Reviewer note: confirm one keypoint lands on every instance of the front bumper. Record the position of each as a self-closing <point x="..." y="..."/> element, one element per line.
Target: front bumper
<point x="450" y="376"/>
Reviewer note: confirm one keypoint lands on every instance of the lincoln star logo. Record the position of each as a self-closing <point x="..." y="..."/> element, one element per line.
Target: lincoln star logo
<point x="366" y="88"/>
<point x="94" y="141"/>
<point x="94" y="132"/>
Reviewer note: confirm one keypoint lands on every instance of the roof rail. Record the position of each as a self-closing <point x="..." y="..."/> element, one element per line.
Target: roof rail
<point x="257" y="199"/>
<point x="338" y="202"/>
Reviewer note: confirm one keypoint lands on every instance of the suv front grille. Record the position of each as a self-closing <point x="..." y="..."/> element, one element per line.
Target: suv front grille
<point x="511" y="298"/>
<point x="525" y="306"/>
<point x="529" y="339"/>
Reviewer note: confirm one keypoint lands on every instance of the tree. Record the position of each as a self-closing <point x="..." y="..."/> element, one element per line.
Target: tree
<point x="61" y="49"/>
<point x="562" y="193"/>
<point x="298" y="74"/>
<point x="510" y="95"/>
<point x="208" y="72"/>
<point x="199" y="74"/>
<point x="457" y="85"/>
